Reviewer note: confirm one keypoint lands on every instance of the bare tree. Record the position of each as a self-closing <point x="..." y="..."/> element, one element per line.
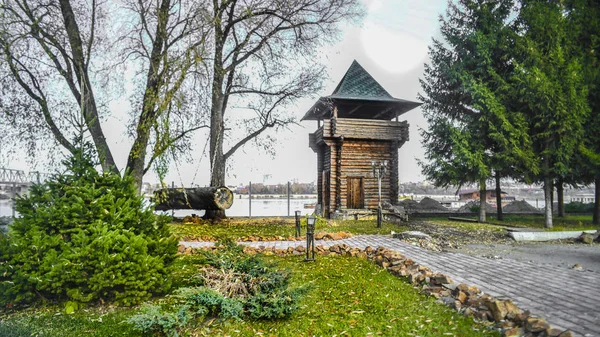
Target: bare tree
<point x="264" y="59"/>
<point x="58" y="56"/>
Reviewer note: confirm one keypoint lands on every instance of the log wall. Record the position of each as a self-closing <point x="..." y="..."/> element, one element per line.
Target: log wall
<point x="363" y="129"/>
<point x="345" y="148"/>
<point x="356" y="162"/>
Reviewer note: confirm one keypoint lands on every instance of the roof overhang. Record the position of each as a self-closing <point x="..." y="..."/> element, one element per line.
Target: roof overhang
<point x="355" y="107"/>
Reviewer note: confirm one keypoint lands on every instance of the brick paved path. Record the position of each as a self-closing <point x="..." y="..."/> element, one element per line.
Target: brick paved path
<point x="567" y="298"/>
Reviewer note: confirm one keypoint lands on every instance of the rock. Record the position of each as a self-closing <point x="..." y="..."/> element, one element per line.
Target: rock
<point x="473" y="290"/>
<point x="301" y="249"/>
<point x="553" y="332"/>
<point x="566" y="334"/>
<point x="512" y="310"/>
<point x="450" y="286"/>
<point x="521" y="318"/>
<point x="334" y="236"/>
<point x="447" y="300"/>
<point x="498" y="310"/>
<point x="462" y="297"/>
<point x="506" y="324"/>
<point x="461" y="287"/>
<point x="412" y="235"/>
<point x="440" y="279"/>
<point x="577" y="267"/>
<point x="320" y="236"/>
<point x="181" y="248"/>
<point x="481" y="315"/>
<point x="587" y="238"/>
<point x="514" y="332"/>
<point x="533" y="324"/>
<point x="468" y="312"/>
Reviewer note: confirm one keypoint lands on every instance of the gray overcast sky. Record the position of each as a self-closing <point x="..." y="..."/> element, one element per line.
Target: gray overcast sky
<point x="391" y="44"/>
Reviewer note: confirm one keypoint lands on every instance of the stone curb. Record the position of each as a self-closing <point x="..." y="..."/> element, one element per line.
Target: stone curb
<point x="469" y="300"/>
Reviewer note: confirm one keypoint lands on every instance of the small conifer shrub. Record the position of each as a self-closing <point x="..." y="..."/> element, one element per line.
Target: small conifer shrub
<point x="85" y="236"/>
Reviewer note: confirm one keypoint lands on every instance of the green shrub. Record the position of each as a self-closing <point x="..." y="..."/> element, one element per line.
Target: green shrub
<point x="85" y="236"/>
<point x="266" y="294"/>
<point x="152" y="320"/>
<point x="579" y="207"/>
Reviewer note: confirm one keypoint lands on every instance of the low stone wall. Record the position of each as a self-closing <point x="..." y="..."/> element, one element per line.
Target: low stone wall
<point x="503" y="314"/>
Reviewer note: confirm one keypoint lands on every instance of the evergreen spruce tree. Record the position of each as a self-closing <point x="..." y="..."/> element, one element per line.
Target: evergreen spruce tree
<point x="549" y="87"/>
<point x="584" y="35"/>
<point x="85" y="236"/>
<point x="472" y="128"/>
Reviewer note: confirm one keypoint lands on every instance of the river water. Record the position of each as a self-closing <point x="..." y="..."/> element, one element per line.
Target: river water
<point x="241" y="207"/>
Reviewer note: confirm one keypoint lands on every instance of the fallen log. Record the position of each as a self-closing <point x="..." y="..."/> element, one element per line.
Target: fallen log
<point x="207" y="198"/>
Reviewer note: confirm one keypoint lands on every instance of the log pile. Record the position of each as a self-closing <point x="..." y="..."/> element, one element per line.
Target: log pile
<point x="206" y="198"/>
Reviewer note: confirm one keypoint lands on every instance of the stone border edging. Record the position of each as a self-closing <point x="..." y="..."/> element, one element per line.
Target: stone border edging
<point x="547" y="236"/>
<point x="469" y="300"/>
<point x="327" y="236"/>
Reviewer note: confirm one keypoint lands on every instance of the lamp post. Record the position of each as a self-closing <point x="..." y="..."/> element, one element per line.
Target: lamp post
<point x="310" y="238"/>
<point x="379" y="169"/>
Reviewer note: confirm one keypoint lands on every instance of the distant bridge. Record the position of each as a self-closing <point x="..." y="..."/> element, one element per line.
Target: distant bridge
<point x="19" y="177"/>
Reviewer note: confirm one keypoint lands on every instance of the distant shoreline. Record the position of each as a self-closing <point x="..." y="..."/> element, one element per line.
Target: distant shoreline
<point x="275" y="196"/>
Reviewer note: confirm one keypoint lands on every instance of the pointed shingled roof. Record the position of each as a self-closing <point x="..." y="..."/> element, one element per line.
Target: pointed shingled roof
<point x="358" y="83"/>
<point x="359" y="95"/>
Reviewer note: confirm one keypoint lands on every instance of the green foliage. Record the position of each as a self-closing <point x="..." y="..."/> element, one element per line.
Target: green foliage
<point x="473" y="127"/>
<point x="153" y="320"/>
<point x="84" y="236"/>
<point x="16" y="328"/>
<point x="266" y="296"/>
<point x="579" y="207"/>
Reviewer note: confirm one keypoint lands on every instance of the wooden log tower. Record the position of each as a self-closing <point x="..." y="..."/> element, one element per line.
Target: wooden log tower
<point x="355" y="128"/>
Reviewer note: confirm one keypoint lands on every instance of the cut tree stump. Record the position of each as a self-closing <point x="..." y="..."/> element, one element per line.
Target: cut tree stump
<point x="207" y="198"/>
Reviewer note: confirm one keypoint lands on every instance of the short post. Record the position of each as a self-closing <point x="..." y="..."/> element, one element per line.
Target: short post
<point x="298" y="229"/>
<point x="288" y="197"/>
<point x="250" y="200"/>
<point x="310" y="238"/>
<point x="14" y="198"/>
<point x="173" y="187"/>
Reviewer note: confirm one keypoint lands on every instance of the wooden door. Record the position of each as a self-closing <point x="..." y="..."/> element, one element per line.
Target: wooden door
<point x="356" y="194"/>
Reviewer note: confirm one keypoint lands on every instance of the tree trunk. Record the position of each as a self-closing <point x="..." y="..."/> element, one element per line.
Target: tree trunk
<point x="137" y="156"/>
<point x="201" y="198"/>
<point x="560" y="196"/>
<point x="498" y="198"/>
<point x="596" y="218"/>
<point x="217" y="127"/>
<point x="548" y="201"/>
<point x="482" y="200"/>
<point x="90" y="112"/>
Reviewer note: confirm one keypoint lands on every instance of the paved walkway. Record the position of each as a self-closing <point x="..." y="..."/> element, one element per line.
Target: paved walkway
<point x="567" y="298"/>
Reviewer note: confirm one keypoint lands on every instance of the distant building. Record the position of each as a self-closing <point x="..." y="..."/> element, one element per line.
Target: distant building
<point x="584" y="198"/>
<point x="467" y="195"/>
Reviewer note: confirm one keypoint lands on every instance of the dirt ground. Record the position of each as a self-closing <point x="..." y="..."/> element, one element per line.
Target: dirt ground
<point x="498" y="245"/>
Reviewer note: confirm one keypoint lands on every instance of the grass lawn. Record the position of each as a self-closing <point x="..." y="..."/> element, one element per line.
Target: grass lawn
<point x="347" y="296"/>
<point x="568" y="223"/>
<point x="238" y="228"/>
